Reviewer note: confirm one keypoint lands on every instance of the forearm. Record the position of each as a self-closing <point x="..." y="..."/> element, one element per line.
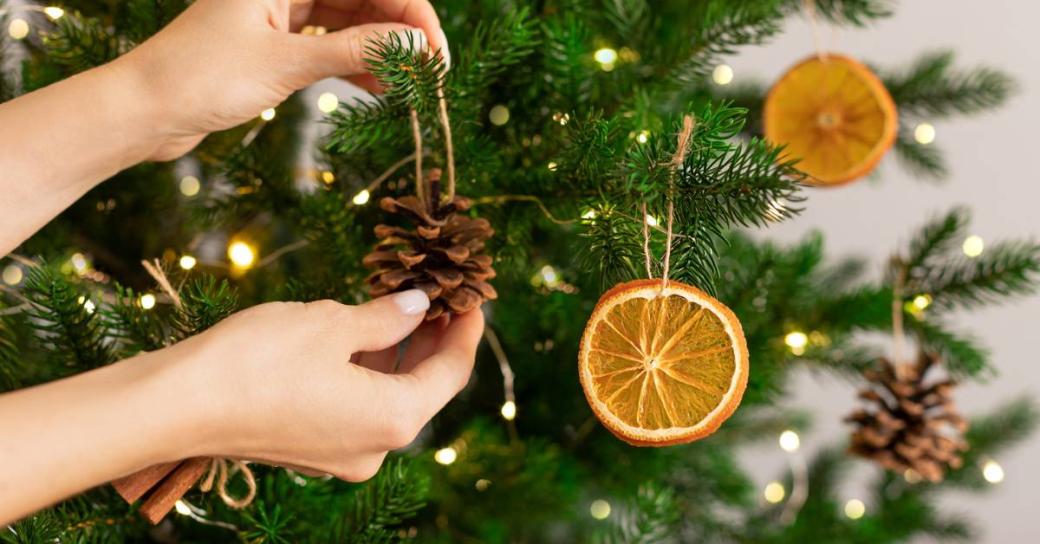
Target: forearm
<point x="67" y="436"/>
<point x="60" y="141"/>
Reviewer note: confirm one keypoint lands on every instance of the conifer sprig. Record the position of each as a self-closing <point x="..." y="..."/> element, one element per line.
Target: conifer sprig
<point x="65" y="320"/>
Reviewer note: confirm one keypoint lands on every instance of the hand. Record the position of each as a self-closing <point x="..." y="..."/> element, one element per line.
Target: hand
<point x="222" y="62"/>
<point x="283" y="389"/>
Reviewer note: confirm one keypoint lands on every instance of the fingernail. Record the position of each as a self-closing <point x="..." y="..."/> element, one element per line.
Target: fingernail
<point x="413" y="39"/>
<point x="444" y="49"/>
<point x="412" y="302"/>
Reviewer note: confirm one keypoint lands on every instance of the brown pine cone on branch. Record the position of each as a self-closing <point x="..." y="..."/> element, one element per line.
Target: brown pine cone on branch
<point x="443" y="254"/>
<point x="912" y="423"/>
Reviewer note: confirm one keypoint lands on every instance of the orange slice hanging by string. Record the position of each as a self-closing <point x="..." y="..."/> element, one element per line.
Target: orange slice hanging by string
<point x="662" y="365"/>
<point x="834" y="115"/>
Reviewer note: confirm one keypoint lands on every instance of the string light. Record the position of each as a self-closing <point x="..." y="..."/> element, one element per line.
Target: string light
<point x="188" y="262"/>
<point x="79" y="263"/>
<point x="924" y="133"/>
<point x="606" y="57"/>
<point x="774" y="492"/>
<point x="993" y="472"/>
<point x="797" y="341"/>
<point x="54" y="12"/>
<point x="552" y="166"/>
<point x="89" y="306"/>
<point x="589" y="214"/>
<point x="600" y="509"/>
<point x="643" y="136"/>
<point x="190" y="186"/>
<point x="18" y="28"/>
<point x="362" y="198"/>
<point x="327" y="177"/>
<point x="922" y="301"/>
<point x="328" y="102"/>
<point x="509" y="410"/>
<point x="722" y="74"/>
<point x="973" y="246"/>
<point x="499" y="115"/>
<point x="446" y="456"/>
<point x="13" y="274"/>
<point x="561" y="118"/>
<point x="267" y="114"/>
<point x="854" y="509"/>
<point x="789" y="441"/>
<point x="482" y="484"/>
<point x="242" y="255"/>
<point x="651" y="220"/>
<point x="147" y="301"/>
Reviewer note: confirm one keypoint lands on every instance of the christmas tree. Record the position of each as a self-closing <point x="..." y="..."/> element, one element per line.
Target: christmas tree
<point x="558" y="122"/>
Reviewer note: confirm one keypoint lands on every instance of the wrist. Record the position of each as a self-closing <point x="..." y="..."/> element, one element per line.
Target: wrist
<point x="135" y="109"/>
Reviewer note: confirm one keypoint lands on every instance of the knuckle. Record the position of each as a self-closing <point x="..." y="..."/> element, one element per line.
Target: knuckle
<point x="402" y="431"/>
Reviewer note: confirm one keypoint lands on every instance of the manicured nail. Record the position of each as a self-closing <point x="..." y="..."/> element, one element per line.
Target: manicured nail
<point x="413" y="39"/>
<point x="412" y="302"/>
<point x="444" y="49"/>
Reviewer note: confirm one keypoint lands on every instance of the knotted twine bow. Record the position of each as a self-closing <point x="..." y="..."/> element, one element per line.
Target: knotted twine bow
<point x="682" y="147"/>
<point x="219" y="471"/>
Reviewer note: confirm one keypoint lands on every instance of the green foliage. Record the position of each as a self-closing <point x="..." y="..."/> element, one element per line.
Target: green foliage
<point x="651" y="516"/>
<point x="64" y="320"/>
<point x="854" y="12"/>
<point x="395" y="495"/>
<point x="138" y="329"/>
<point x="204" y="302"/>
<point x="1003" y="270"/>
<point x="410" y="80"/>
<point x="730" y="26"/>
<point x="931" y="87"/>
<point x="11" y="367"/>
<point x="79" y="43"/>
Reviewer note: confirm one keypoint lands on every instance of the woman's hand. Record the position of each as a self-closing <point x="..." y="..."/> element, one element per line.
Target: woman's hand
<point x="274" y="383"/>
<point x="222" y="62"/>
<point x="283" y="388"/>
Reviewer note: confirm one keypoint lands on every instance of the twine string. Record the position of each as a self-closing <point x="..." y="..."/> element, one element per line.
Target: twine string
<point x="809" y="6"/>
<point x="219" y="473"/>
<point x="449" y="146"/>
<point x="420" y="188"/>
<point x="646" y="242"/>
<point x="681" y="150"/>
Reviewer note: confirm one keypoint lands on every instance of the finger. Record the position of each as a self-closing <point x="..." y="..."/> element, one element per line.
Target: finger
<point x="345" y="52"/>
<point x="380" y="361"/>
<point x="423" y="343"/>
<point x="441" y="376"/>
<point x="385" y="321"/>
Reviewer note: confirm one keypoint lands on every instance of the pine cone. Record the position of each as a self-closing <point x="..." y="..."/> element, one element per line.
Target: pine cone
<point x="913" y="425"/>
<point x="443" y="255"/>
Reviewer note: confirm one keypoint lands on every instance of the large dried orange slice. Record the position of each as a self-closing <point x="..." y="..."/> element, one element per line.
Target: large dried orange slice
<point x="662" y="364"/>
<point x="834" y="115"/>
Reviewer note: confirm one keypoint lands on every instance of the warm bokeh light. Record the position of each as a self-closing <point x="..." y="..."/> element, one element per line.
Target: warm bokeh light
<point x="190" y="186"/>
<point x="328" y="102"/>
<point x="924" y="133"/>
<point x="187" y="262"/>
<point x="993" y="472"/>
<point x="509" y="410"/>
<point x="362" y="197"/>
<point x="600" y="509"/>
<point x="973" y="246"/>
<point x="774" y="492"/>
<point x="789" y="441"/>
<point x="242" y="255"/>
<point x="854" y="509"/>
<point x="18" y="28"/>
<point x="147" y="301"/>
<point x="722" y="74"/>
<point x="499" y="115"/>
<point x="267" y="114"/>
<point x="446" y="456"/>
<point x="13" y="274"/>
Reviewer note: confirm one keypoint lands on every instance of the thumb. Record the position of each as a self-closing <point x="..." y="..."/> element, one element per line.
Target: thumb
<point x="344" y="52"/>
<point x="385" y="321"/>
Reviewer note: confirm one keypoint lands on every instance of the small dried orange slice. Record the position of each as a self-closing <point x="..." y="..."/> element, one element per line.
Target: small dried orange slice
<point x="834" y="115"/>
<point x="662" y="364"/>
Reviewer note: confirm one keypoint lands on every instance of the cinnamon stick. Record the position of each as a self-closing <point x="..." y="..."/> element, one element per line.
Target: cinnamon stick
<point x="172" y="488"/>
<point x="134" y="486"/>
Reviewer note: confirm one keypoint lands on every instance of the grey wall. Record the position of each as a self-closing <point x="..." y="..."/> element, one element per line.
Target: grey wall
<point x="991" y="158"/>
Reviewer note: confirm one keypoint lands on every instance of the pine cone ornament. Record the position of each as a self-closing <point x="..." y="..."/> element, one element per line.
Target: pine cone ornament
<point x="443" y="254"/>
<point x="912" y="423"/>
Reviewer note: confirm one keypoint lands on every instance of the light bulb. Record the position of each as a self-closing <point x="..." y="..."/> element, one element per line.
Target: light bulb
<point x="362" y="198"/>
<point x="993" y="472"/>
<point x="267" y="114"/>
<point x="854" y="509"/>
<point x="54" y="12"/>
<point x="147" y="301"/>
<point x="600" y="509"/>
<point x="973" y="246"/>
<point x="509" y="410"/>
<point x="446" y="456"/>
<point x="13" y="274"/>
<point x="187" y="262"/>
<point x="722" y="74"/>
<point x="789" y="441"/>
<point x="924" y="133"/>
<point x="774" y="492"/>
<point x="18" y="28"/>
<point x="190" y="186"/>
<point x="241" y="254"/>
<point x="328" y="102"/>
<point x="499" y="115"/>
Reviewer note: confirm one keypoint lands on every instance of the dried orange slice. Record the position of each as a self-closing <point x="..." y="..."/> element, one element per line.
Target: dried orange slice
<point x="835" y="115"/>
<point x="662" y="365"/>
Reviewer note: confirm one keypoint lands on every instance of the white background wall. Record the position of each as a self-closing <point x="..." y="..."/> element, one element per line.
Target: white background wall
<point x="991" y="159"/>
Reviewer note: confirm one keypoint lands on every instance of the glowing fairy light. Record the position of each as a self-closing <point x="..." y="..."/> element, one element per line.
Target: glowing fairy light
<point x="190" y="186"/>
<point x="855" y="509"/>
<point x="993" y="472"/>
<point x="446" y="456"/>
<point x="267" y="114"/>
<point x="774" y="492"/>
<point x="187" y="262"/>
<point x="722" y="74"/>
<point x="796" y="341"/>
<point x="600" y="509"/>
<point x="18" y="28"/>
<point x="789" y="441"/>
<point x="327" y="102"/>
<point x="606" y="57"/>
<point x="13" y="274"/>
<point x="242" y="255"/>
<point x="509" y="410"/>
<point x="54" y="12"/>
<point x="973" y="246"/>
<point x="362" y="197"/>
<point x="499" y="115"/>
<point x="924" y="133"/>
<point x="147" y="301"/>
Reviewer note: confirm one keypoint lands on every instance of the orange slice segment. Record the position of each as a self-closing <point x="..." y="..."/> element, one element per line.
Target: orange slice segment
<point x="662" y="365"/>
<point x="834" y="115"/>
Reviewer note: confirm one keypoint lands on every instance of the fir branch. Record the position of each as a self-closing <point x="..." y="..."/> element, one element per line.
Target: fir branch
<point x="567" y="62"/>
<point x="410" y="77"/>
<point x="40" y="528"/>
<point x="63" y="322"/>
<point x="733" y="25"/>
<point x="137" y="329"/>
<point x="962" y="357"/>
<point x="204" y="302"/>
<point x="935" y="240"/>
<point x="990" y="434"/>
<point x="140" y="19"/>
<point x="395" y="495"/>
<point x="851" y="12"/>
<point x="1007" y="269"/>
<point x="80" y="43"/>
<point x="365" y="125"/>
<point x="631" y="19"/>
<point x="11" y="367"/>
<point x="651" y="516"/>
<point x="932" y="87"/>
<point x="612" y="246"/>
<point x="922" y="161"/>
<point x="268" y="525"/>
<point x="492" y="48"/>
